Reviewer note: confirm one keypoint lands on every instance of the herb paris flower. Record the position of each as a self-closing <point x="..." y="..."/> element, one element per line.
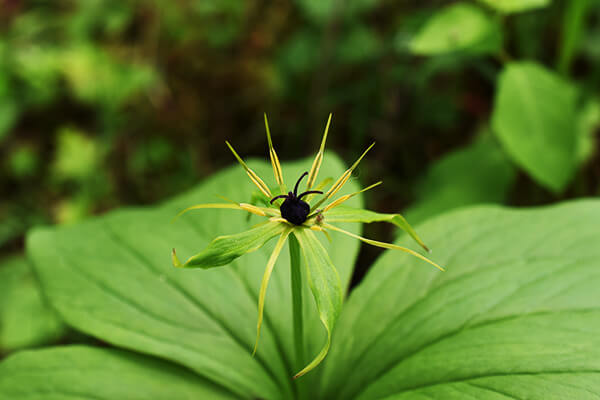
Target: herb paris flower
<point x="294" y="216"/>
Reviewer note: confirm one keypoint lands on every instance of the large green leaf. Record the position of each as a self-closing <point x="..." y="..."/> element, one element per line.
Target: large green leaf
<point x="514" y="6"/>
<point x="25" y="318"/>
<point x="516" y="315"/>
<point x="478" y="173"/>
<point x="534" y="118"/>
<point x="79" y="372"/>
<point x="458" y="27"/>
<point x="111" y="277"/>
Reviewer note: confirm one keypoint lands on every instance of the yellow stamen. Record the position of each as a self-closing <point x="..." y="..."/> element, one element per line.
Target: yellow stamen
<point x="314" y="170"/>
<point x="265" y="282"/>
<point x="274" y="159"/>
<point x="342" y="179"/>
<point x="384" y="245"/>
<point x="348" y="196"/>
<point x="320" y="186"/>
<point x="253" y="176"/>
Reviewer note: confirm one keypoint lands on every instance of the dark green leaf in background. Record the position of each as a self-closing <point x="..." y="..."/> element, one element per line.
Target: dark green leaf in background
<point x="535" y="119"/>
<point x="458" y="27"/>
<point x="516" y="315"/>
<point x="361" y="44"/>
<point x="479" y="173"/>
<point x="323" y="11"/>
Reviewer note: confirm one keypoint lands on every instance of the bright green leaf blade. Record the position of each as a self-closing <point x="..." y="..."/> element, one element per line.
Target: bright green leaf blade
<point x="118" y="268"/>
<point x="349" y="214"/>
<point x="459" y="27"/>
<point x="326" y="287"/>
<point x="224" y="249"/>
<point x="452" y="182"/>
<point x="26" y="320"/>
<point x="517" y="311"/>
<point x="515" y="6"/>
<point x="79" y="372"/>
<point x="534" y="118"/>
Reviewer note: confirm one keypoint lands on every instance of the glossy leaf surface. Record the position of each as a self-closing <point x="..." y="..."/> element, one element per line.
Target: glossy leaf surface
<point x="112" y="278"/>
<point x="517" y="314"/>
<point x="80" y="372"/>
<point x="26" y="320"/>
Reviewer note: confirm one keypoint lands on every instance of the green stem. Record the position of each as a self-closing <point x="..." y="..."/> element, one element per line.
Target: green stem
<point x="296" y="274"/>
<point x="573" y="28"/>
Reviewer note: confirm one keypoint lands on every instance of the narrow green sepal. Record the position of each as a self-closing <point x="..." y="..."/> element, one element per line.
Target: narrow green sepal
<point x="224" y="249"/>
<point x="349" y="214"/>
<point x="325" y="285"/>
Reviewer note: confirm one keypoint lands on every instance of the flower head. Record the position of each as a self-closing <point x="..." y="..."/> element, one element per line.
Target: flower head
<point x="292" y="213"/>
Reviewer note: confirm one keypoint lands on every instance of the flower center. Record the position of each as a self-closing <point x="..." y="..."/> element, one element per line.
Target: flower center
<point x="294" y="209"/>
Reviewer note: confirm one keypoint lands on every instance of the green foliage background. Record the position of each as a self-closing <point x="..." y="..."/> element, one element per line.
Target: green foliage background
<point x="106" y="103"/>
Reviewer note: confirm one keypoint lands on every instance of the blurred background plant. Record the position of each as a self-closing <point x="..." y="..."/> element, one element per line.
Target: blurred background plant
<point x="123" y="102"/>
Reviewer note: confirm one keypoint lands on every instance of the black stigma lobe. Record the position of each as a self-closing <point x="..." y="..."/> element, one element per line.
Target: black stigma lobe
<point x="294" y="209"/>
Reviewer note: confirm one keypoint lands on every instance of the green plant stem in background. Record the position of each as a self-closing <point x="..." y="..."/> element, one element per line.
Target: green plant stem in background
<point x="573" y="27"/>
<point x="296" y="278"/>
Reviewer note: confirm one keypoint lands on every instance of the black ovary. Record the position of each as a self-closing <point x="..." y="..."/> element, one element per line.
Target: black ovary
<point x="294" y="210"/>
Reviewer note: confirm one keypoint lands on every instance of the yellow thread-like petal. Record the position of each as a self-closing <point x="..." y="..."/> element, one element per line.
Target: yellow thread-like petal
<point x="314" y="170"/>
<point x="253" y="209"/>
<point x="265" y="282"/>
<point x="342" y="179"/>
<point x="233" y="206"/>
<point x="384" y="245"/>
<point x="318" y="228"/>
<point x="348" y="196"/>
<point x="253" y="176"/>
<point x="274" y="159"/>
<point x="279" y="219"/>
<point x="262" y="211"/>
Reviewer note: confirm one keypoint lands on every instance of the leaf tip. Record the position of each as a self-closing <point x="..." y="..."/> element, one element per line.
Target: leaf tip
<point x="175" y="259"/>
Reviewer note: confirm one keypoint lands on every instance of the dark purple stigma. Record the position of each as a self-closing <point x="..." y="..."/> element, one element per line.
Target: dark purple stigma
<point x="294" y="209"/>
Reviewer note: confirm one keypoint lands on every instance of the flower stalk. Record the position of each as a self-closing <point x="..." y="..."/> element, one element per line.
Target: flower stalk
<point x="296" y="221"/>
<point x="297" y="310"/>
